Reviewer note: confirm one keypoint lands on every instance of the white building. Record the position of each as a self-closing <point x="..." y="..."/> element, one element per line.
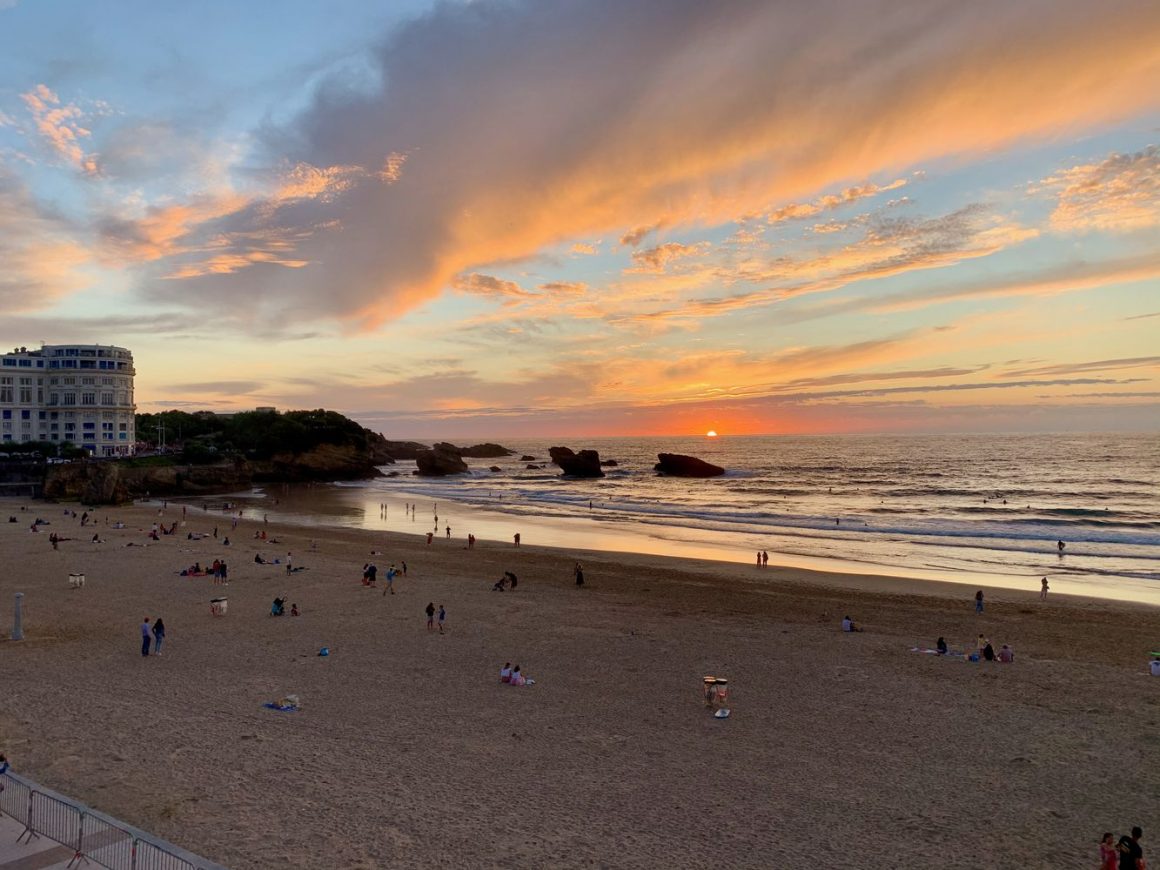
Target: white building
<point x="80" y="393"/>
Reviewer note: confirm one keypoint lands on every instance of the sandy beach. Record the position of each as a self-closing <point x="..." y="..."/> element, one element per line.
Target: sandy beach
<point x="843" y="750"/>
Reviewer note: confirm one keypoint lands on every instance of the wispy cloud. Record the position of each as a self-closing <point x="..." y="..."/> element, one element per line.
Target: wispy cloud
<point x="1119" y="193"/>
<point x="61" y="127"/>
<point x="523" y="180"/>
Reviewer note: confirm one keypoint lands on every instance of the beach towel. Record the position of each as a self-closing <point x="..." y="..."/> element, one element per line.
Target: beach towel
<point x="950" y="654"/>
<point x="270" y="705"/>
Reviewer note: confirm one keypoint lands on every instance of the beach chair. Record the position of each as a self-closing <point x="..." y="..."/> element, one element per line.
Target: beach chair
<point x="76" y="581"/>
<point x="218" y="606"/>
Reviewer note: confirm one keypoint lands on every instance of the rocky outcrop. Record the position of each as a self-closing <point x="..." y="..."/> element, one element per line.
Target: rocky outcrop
<point x="586" y="463"/>
<point x="395" y="450"/>
<point x="441" y="460"/>
<point x="485" y="451"/>
<point x="609" y="463"/>
<point x="676" y="465"/>
<point x="324" y="462"/>
<point x="495" y="468"/>
<point x="117" y="482"/>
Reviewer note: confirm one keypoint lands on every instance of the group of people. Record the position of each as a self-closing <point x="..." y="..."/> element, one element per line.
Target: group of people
<point x="154" y="634"/>
<point x="762" y="558"/>
<point x="278" y="608"/>
<point x="1127" y="854"/>
<point x="430" y="611"/>
<point x="507" y="580"/>
<point x="513" y="676"/>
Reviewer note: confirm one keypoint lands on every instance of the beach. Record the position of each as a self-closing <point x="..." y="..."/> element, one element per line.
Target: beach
<point x="842" y="750"/>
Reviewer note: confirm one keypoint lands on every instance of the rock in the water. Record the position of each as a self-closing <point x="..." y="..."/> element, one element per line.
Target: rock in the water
<point x="526" y="458"/>
<point x="440" y="460"/>
<point x="586" y="463"/>
<point x="609" y="463"/>
<point x="402" y="449"/>
<point x="485" y="451"/>
<point x="495" y="468"/>
<point x="676" y="465"/>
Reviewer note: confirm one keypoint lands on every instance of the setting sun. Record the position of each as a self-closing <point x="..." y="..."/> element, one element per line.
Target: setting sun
<point x="711" y="434"/>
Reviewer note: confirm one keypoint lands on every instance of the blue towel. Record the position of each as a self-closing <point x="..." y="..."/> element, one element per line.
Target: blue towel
<point x="272" y="706"/>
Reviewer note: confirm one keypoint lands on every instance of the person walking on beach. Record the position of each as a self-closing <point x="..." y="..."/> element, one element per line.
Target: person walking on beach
<point x="158" y="635"/>
<point x="979" y="601"/>
<point x="516" y="539"/>
<point x="1131" y="853"/>
<point x="1043" y="589"/>
<point x="429" y="537"/>
<point x="430" y="615"/>
<point x="146" y="637"/>
<point x="579" y="576"/>
<point x="390" y="587"/>
<point x="764" y="559"/>
<point x="442" y="617"/>
<point x="449" y="531"/>
<point x="289" y="564"/>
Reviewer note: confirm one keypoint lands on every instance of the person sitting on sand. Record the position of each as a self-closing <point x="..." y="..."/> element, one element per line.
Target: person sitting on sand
<point x="517" y="679"/>
<point x="278" y="608"/>
<point x="293" y="609"/>
<point x="258" y="560"/>
<point x="499" y="584"/>
<point x="1006" y="654"/>
<point x="941" y="646"/>
<point x="505" y="673"/>
<point x="511" y="578"/>
<point x="97" y="539"/>
<point x="989" y="652"/>
<point x="849" y="625"/>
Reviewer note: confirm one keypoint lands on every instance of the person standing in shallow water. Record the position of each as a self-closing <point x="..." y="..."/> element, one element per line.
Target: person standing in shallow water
<point x="1043" y="588"/>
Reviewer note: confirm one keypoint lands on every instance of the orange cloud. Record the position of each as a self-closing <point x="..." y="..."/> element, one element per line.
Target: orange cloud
<point x="1117" y="194"/>
<point x="61" y="127"/>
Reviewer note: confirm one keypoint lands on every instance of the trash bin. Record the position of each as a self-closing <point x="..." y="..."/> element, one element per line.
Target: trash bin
<point x="76" y="581"/>
<point x="218" y="606"/>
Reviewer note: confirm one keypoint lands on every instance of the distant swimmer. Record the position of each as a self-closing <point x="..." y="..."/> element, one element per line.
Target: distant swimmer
<point x="1061" y="545"/>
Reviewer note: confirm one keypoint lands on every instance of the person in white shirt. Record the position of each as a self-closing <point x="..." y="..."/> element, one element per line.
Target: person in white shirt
<point x="505" y="673"/>
<point x="848" y="624"/>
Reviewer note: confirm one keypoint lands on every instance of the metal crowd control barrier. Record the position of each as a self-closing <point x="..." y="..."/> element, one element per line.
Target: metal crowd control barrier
<point x="94" y="837"/>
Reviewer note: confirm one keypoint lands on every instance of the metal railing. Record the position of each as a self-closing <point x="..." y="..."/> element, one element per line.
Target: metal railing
<point x="92" y="836"/>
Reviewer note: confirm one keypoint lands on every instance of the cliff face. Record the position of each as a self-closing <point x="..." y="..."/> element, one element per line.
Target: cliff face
<point x="324" y="462"/>
<point x="116" y="483"/>
<point x="112" y="482"/>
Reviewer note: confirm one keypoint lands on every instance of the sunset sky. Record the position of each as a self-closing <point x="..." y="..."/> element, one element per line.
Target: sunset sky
<point x="471" y="219"/>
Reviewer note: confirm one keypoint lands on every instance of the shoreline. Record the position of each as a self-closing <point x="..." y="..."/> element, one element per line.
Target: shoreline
<point x="597" y="533"/>
<point x="414" y="725"/>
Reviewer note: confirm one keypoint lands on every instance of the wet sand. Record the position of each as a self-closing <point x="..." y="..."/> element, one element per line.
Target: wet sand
<point x="842" y="750"/>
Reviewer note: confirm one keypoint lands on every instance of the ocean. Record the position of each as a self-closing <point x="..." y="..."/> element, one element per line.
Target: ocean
<point x="966" y="508"/>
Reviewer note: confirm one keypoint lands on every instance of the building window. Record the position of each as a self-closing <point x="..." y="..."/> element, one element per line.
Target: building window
<point x="88" y="398"/>
<point x="70" y="398"/>
<point x="106" y="398"/>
